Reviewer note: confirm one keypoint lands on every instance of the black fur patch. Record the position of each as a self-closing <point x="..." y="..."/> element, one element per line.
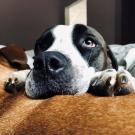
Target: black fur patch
<point x="80" y="33"/>
<point x="44" y="42"/>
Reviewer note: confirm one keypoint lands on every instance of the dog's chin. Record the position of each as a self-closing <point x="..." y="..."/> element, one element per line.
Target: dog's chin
<point x="40" y="85"/>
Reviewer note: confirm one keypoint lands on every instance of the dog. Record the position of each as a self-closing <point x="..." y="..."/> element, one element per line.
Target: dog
<point x="72" y="60"/>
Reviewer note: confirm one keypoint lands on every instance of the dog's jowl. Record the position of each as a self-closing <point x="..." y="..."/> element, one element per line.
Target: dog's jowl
<point x="70" y="60"/>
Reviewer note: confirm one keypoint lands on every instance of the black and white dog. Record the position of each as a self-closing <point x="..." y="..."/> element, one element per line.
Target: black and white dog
<point x="72" y="60"/>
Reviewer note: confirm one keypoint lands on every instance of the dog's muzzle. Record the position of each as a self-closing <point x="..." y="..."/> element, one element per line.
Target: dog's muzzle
<point x="53" y="74"/>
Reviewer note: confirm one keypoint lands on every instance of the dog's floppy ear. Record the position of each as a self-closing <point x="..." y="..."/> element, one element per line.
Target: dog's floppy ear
<point x="112" y="58"/>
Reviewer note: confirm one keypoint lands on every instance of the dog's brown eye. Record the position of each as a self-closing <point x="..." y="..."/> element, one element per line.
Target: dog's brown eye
<point x="88" y="43"/>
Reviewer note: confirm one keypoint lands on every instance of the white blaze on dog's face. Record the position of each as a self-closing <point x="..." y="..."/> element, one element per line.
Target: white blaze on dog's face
<point x="65" y="60"/>
<point x="64" y="44"/>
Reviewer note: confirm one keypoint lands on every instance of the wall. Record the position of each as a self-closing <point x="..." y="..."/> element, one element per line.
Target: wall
<point x="128" y="21"/>
<point x="105" y="16"/>
<point x="22" y="21"/>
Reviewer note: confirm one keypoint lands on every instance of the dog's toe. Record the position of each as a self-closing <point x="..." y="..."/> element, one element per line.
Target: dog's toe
<point x="125" y="83"/>
<point x="103" y="85"/>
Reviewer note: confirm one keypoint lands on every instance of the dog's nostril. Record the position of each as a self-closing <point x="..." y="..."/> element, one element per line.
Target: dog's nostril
<point x="55" y="64"/>
<point x="38" y="64"/>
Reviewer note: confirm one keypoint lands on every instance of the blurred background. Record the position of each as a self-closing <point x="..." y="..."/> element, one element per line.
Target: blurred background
<point x="22" y="22"/>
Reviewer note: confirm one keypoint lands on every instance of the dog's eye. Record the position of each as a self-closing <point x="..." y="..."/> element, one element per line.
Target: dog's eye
<point x="88" y="43"/>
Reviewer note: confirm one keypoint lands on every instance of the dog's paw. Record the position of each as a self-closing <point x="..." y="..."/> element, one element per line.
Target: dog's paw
<point x="15" y="82"/>
<point x="110" y="83"/>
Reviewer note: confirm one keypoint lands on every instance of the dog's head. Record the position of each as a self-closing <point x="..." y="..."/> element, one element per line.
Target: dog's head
<point x="66" y="58"/>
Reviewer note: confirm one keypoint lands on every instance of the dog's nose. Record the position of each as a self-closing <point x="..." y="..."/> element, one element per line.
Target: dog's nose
<point x="51" y="60"/>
